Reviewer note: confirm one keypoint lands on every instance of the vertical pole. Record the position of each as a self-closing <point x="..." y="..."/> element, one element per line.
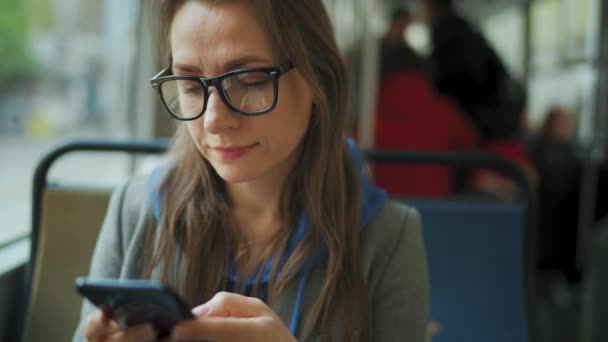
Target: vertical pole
<point x="527" y="58"/>
<point x="591" y="246"/>
<point x="369" y="73"/>
<point x="134" y="88"/>
<point x="597" y="152"/>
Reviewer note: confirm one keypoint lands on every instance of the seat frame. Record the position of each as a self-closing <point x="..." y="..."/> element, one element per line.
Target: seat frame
<point x="40" y="183"/>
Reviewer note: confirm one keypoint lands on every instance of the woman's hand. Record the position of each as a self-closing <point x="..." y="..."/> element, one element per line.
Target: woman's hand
<point x="229" y="317"/>
<point x="99" y="328"/>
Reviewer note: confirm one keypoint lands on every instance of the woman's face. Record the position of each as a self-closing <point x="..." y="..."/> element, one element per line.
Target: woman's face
<point x="208" y="40"/>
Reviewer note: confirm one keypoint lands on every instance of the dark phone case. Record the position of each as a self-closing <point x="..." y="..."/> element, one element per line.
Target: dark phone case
<point x="133" y="302"/>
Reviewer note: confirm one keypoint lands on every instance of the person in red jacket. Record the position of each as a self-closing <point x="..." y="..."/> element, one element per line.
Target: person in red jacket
<point x="411" y="115"/>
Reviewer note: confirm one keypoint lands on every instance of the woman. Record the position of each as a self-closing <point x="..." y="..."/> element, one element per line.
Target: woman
<point x="264" y="197"/>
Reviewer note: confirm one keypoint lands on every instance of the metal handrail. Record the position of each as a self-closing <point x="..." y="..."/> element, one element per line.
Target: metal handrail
<point x="455" y="158"/>
<point x="131" y="147"/>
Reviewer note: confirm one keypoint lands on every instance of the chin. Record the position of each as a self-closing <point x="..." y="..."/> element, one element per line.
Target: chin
<point x="235" y="175"/>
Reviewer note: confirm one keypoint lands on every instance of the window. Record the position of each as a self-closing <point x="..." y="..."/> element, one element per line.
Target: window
<point x="66" y="72"/>
<point x="505" y="30"/>
<point x="564" y="37"/>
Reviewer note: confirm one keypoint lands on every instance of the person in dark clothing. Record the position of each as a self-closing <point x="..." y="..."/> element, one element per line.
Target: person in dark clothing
<point x="411" y="115"/>
<point x="395" y="54"/>
<point x="559" y="169"/>
<point x="469" y="71"/>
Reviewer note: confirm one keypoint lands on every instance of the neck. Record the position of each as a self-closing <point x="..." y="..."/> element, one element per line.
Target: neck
<point x="256" y="205"/>
<point x="256" y="209"/>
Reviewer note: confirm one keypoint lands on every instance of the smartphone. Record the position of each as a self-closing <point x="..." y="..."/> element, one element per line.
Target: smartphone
<point x="131" y="302"/>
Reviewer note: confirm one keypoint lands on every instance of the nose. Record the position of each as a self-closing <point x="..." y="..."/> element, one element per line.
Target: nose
<point x="218" y="117"/>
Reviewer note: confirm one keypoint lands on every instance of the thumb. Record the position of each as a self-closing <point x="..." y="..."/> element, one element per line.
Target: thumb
<point x="201" y="310"/>
<point x="225" y="304"/>
<point x="98" y="326"/>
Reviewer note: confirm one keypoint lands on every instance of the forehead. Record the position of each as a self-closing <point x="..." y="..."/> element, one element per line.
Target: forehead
<point x="208" y="35"/>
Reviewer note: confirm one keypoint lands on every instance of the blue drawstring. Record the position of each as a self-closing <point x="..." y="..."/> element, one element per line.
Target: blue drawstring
<point x="295" y="316"/>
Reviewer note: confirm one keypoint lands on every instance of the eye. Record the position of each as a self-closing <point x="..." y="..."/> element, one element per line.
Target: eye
<point x="253" y="78"/>
<point x="187" y="87"/>
<point x="193" y="90"/>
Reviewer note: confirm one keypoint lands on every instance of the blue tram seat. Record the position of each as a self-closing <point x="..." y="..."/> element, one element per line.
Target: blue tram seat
<point x="481" y="253"/>
<point x="475" y="253"/>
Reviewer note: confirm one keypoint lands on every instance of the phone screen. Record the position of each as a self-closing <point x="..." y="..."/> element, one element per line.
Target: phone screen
<point x="133" y="302"/>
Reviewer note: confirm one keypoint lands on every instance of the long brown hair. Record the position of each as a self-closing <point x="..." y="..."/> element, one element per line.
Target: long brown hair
<point x="324" y="183"/>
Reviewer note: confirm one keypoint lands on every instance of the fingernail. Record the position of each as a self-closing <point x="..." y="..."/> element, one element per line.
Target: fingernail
<point x="201" y="310"/>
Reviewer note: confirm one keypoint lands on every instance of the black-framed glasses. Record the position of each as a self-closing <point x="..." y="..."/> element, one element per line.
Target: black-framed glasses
<point x="251" y="91"/>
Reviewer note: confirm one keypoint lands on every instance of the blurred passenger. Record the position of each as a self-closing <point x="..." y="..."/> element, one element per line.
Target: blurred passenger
<point x="469" y="71"/>
<point x="396" y="55"/>
<point x="559" y="126"/>
<point x="264" y="197"/>
<point x="412" y="116"/>
<point x="496" y="184"/>
<point x="559" y="170"/>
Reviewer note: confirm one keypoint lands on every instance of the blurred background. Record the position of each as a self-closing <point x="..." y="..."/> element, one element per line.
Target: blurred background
<point x="80" y="69"/>
<point x="67" y="71"/>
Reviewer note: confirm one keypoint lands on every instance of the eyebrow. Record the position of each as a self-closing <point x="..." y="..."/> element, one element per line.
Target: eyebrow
<point x="233" y="64"/>
<point x="186" y="68"/>
<point x="241" y="61"/>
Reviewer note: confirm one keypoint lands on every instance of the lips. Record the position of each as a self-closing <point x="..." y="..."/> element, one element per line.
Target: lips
<point x="233" y="152"/>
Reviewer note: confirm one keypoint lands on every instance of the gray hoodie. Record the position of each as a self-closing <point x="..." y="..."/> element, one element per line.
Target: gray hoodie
<point x="394" y="265"/>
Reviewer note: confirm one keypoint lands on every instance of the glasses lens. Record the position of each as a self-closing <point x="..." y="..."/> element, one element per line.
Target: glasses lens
<point x="184" y="98"/>
<point x="250" y="92"/>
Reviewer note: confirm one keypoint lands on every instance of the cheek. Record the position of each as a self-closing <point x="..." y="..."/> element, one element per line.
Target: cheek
<point x="303" y="116"/>
<point x="295" y="105"/>
<point x="192" y="130"/>
<point x="292" y="122"/>
<point x="289" y="132"/>
<point x="196" y="134"/>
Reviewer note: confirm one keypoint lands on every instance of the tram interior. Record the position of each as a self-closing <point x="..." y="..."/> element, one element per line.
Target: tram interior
<point x="78" y="71"/>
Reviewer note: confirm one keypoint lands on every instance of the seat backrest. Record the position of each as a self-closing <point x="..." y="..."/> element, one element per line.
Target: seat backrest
<point x="69" y="225"/>
<point x="65" y="224"/>
<point x="482" y="253"/>
<point x="475" y="254"/>
<point x="595" y="296"/>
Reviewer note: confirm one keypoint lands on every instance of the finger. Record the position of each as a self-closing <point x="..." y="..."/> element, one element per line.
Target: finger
<point x="113" y="327"/>
<point x="139" y="333"/>
<point x="98" y="326"/>
<point x="201" y="310"/>
<point x="225" y="304"/>
<point x="216" y="329"/>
